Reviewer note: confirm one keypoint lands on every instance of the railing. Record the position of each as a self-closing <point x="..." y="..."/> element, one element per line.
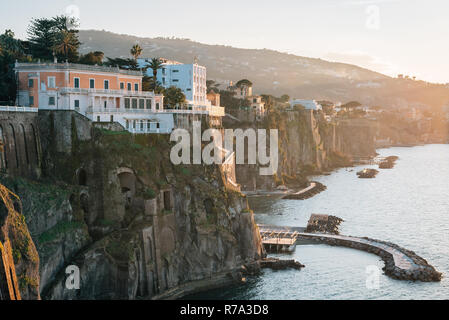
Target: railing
<point x="149" y="130"/>
<point x="125" y="93"/>
<point x="18" y="109"/>
<point x="212" y="111"/>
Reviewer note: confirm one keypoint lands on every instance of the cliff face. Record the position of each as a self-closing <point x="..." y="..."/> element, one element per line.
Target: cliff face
<point x="135" y="225"/>
<point x="309" y="144"/>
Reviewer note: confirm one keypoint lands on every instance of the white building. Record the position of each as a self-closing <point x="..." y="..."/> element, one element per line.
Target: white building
<point x="307" y="104"/>
<point x="190" y="78"/>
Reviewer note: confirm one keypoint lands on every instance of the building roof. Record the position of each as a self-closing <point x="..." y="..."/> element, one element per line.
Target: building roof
<point x="75" y="66"/>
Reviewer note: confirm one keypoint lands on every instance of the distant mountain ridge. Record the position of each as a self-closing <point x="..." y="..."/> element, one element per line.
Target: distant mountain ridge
<point x="276" y="73"/>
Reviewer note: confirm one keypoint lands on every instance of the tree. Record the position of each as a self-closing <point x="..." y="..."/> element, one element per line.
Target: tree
<point x="127" y="64"/>
<point x="136" y="51"/>
<point x="67" y="45"/>
<point x="11" y="50"/>
<point x="244" y="82"/>
<point x="285" y="98"/>
<point x="351" y="105"/>
<point x="92" y="58"/>
<point x="174" y="97"/>
<point x="155" y="65"/>
<point x="212" y="86"/>
<point x="54" y="35"/>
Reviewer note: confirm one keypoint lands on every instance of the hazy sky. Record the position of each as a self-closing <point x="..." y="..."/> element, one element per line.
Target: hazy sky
<point x="389" y="36"/>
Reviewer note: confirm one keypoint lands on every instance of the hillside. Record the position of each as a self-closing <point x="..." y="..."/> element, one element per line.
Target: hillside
<point x="277" y="73"/>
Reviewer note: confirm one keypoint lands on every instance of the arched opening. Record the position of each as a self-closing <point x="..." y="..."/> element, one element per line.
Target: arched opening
<point x="14" y="146"/>
<point x="167" y="200"/>
<point x="127" y="185"/>
<point x="25" y="143"/>
<point x="3" y="161"/>
<point x="36" y="144"/>
<point x="82" y="177"/>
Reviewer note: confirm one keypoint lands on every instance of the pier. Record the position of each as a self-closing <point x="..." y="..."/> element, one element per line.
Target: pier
<point x="400" y="263"/>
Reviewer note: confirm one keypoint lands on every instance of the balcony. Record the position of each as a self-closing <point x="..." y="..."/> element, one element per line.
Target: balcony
<point x="99" y="92"/>
<point x="211" y="111"/>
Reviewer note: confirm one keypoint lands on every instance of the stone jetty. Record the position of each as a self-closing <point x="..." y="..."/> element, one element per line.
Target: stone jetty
<point x="400" y="263"/>
<point x="313" y="189"/>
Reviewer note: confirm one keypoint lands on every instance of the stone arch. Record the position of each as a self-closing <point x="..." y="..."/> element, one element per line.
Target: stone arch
<point x="35" y="143"/>
<point x="81" y="175"/>
<point x="127" y="181"/>
<point x="14" y="144"/>
<point x="25" y="143"/>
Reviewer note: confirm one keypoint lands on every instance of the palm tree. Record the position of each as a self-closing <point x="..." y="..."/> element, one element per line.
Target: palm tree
<point x="65" y="43"/>
<point x="136" y="51"/>
<point x="155" y="64"/>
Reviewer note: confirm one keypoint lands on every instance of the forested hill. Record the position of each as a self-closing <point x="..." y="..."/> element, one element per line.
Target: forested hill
<point x="277" y="73"/>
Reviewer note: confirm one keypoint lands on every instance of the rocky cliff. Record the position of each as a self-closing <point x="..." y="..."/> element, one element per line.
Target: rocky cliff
<point x="308" y="144"/>
<point x="112" y="205"/>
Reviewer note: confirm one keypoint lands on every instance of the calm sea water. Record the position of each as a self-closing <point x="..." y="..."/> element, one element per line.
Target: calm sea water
<point x="408" y="205"/>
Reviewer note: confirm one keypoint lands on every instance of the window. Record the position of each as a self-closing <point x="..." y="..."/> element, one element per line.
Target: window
<point x="188" y="89"/>
<point x="106" y="84"/>
<point x="105" y="104"/>
<point x="51" y="82"/>
<point x="134" y="103"/>
<point x="174" y="71"/>
<point x="134" y="124"/>
<point x="98" y="119"/>
<point x="30" y="83"/>
<point x="31" y="101"/>
<point x="163" y="71"/>
<point x="112" y="118"/>
<point x="141" y="125"/>
<point x="51" y="101"/>
<point x="136" y="87"/>
<point x="148" y="104"/>
<point x="92" y="83"/>
<point x="157" y="106"/>
<point x="129" y="86"/>
<point x="127" y="105"/>
<point x="122" y="86"/>
<point x="77" y="104"/>
<point x="127" y="124"/>
<point x="163" y="81"/>
<point x="76" y="83"/>
<point x="175" y="80"/>
<point x="141" y="104"/>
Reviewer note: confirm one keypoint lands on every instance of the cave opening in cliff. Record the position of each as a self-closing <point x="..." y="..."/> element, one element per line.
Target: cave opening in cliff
<point x="167" y="200"/>
<point x="82" y="177"/>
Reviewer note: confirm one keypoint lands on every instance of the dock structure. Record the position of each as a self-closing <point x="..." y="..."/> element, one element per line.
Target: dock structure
<point x="278" y="240"/>
<point x="400" y="263"/>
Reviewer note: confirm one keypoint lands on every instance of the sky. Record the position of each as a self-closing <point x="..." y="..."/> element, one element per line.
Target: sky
<point x="410" y="37"/>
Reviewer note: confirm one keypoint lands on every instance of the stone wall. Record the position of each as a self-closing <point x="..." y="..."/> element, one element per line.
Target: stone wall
<point x="21" y="155"/>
